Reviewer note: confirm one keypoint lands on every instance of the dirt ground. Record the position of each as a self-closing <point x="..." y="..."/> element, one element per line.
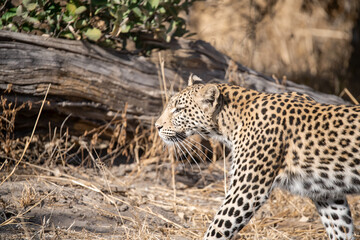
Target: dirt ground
<point x="151" y="200"/>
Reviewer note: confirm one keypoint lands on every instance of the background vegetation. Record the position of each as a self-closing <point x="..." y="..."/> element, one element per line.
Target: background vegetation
<point x="111" y="23"/>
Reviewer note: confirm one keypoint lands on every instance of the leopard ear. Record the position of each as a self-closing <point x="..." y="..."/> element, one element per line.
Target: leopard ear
<point x="193" y="79"/>
<point x="208" y="97"/>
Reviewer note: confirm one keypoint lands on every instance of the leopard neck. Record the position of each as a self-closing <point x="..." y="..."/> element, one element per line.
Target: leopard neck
<point x="228" y="116"/>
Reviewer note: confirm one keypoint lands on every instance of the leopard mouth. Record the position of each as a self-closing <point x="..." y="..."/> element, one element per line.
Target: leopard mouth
<point x="171" y="137"/>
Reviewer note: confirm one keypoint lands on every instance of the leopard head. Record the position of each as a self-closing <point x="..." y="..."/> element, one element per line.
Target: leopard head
<point x="191" y="111"/>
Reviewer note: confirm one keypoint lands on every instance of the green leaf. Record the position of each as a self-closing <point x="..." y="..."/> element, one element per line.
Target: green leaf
<point x="154" y="3"/>
<point x="33" y="20"/>
<point x="50" y="20"/>
<point x="125" y="28"/>
<point x="71" y="8"/>
<point x="80" y="10"/>
<point x="80" y="23"/>
<point x="31" y="6"/>
<point x="26" y="29"/>
<point x="99" y="10"/>
<point x="162" y="10"/>
<point x="25" y="14"/>
<point x="26" y="2"/>
<point x="13" y="28"/>
<point x="137" y="11"/>
<point x="93" y="34"/>
<point x="19" y="10"/>
<point x="68" y="35"/>
<point x="6" y="16"/>
<point x="67" y="18"/>
<point x="171" y="28"/>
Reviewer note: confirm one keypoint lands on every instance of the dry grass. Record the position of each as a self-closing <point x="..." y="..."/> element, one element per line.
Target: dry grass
<point x="142" y="205"/>
<point x="308" y="41"/>
<point x="127" y="187"/>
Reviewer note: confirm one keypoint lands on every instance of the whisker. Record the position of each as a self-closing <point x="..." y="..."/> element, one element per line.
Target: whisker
<point x="178" y="157"/>
<point x="190" y="155"/>
<point x="190" y="144"/>
<point x="194" y="144"/>
<point x="189" y="139"/>
<point x="198" y="132"/>
<point x="177" y="144"/>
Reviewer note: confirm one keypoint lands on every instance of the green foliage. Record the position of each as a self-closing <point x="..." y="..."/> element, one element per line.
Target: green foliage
<point x="110" y="22"/>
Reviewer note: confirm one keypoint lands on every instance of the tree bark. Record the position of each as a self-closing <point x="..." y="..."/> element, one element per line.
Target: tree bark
<point x="93" y="83"/>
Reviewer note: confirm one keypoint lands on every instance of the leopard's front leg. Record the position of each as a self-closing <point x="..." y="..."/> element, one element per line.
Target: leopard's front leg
<point x="248" y="192"/>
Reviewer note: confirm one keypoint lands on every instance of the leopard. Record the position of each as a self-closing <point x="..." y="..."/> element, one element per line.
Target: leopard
<point x="277" y="140"/>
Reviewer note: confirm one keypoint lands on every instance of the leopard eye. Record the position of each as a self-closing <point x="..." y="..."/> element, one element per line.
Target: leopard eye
<point x="177" y="109"/>
<point x="174" y="110"/>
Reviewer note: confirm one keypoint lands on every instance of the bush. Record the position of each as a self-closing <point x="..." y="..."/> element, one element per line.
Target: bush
<point x="108" y="22"/>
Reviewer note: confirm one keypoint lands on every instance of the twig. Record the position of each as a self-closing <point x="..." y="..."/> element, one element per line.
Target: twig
<point x="4" y="163"/>
<point x="2" y="7"/>
<point x="6" y="120"/>
<point x="173" y="182"/>
<point x="30" y="139"/>
<point x="162" y="64"/>
<point x="348" y="93"/>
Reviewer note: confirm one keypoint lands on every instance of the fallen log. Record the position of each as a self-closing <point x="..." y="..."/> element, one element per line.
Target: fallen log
<point x="93" y="84"/>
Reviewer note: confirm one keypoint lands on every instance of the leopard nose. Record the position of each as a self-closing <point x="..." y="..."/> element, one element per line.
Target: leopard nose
<point x="158" y="126"/>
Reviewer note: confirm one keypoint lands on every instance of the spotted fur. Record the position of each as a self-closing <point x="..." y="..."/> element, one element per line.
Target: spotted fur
<point x="277" y="140"/>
